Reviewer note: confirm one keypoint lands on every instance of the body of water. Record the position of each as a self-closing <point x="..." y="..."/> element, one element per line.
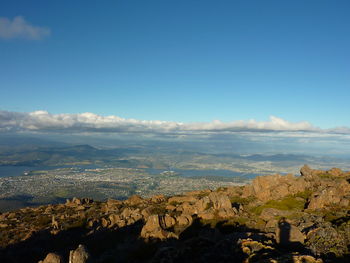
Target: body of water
<point x="8" y="171"/>
<point x="205" y="173"/>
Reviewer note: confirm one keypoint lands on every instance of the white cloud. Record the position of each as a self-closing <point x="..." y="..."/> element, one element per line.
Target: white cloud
<point x="90" y="122"/>
<point x="20" y="28"/>
<point x="274" y="124"/>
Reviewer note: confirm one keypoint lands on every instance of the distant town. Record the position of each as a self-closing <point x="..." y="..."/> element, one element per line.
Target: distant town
<point x="102" y="183"/>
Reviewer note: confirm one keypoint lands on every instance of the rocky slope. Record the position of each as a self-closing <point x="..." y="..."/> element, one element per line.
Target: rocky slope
<point x="275" y="219"/>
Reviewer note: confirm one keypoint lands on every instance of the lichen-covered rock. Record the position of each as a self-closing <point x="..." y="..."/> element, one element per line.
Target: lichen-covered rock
<point x="326" y="240"/>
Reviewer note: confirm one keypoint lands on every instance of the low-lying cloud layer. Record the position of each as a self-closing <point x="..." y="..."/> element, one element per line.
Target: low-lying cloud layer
<point x="20" y="28"/>
<point x="42" y="121"/>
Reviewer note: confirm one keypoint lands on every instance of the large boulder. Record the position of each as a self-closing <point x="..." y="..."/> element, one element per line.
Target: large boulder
<point x="184" y="220"/>
<point x="226" y="213"/>
<point x="202" y="204"/>
<point x="332" y="195"/>
<point x="80" y="255"/>
<point x="220" y="201"/>
<point x="307" y="172"/>
<point x="167" y="221"/>
<point x="155" y="228"/>
<point x="288" y="234"/>
<point x="272" y="187"/>
<point x="187" y="208"/>
<point x="116" y="220"/>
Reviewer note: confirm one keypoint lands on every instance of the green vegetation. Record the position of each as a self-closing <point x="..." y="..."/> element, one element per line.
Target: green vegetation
<point x="326" y="175"/>
<point x="288" y="203"/>
<point x="241" y="200"/>
<point x="305" y="195"/>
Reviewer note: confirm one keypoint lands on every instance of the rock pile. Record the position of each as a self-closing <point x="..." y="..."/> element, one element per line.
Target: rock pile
<point x="275" y="219"/>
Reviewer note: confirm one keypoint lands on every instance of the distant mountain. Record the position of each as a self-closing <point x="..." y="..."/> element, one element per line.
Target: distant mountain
<point x="58" y="156"/>
<point x="276" y="157"/>
<point x="15" y="143"/>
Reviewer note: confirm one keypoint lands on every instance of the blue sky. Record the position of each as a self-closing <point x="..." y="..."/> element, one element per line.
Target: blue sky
<point x="183" y="61"/>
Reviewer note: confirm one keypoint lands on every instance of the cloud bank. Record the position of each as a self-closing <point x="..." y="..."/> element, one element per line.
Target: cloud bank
<point x="20" y="28"/>
<point x="42" y="121"/>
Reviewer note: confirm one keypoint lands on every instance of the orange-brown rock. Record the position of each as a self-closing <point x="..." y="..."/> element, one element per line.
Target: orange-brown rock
<point x="337" y="195"/>
<point x="181" y="199"/>
<point x="153" y="229"/>
<point x="52" y="258"/>
<point x="80" y="255"/>
<point x="134" y="200"/>
<point x="272" y="187"/>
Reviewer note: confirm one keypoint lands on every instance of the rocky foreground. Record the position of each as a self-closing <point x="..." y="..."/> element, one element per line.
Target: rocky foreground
<point x="275" y="219"/>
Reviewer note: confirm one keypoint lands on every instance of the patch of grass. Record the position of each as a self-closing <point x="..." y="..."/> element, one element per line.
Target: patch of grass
<point x="325" y="175"/>
<point x="288" y="203"/>
<point x="241" y="200"/>
<point x="305" y="194"/>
